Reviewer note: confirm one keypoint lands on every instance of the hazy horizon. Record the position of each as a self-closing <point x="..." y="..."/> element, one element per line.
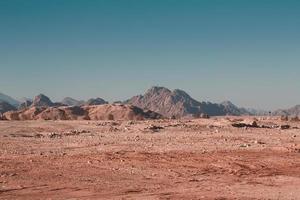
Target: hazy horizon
<point x="243" y="51"/>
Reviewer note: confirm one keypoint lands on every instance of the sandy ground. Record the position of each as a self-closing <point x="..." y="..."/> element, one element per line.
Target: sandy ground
<point x="177" y="159"/>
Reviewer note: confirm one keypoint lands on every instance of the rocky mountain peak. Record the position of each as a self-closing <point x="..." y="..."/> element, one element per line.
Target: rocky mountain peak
<point x="42" y="100"/>
<point x="172" y="103"/>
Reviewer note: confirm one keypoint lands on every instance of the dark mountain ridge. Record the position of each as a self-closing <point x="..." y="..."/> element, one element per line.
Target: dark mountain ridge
<point x="178" y="104"/>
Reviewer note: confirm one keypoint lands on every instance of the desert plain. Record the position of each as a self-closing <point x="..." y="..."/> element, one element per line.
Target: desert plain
<point x="150" y="159"/>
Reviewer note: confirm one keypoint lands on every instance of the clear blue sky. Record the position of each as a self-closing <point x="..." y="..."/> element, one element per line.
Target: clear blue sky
<point x="246" y="51"/>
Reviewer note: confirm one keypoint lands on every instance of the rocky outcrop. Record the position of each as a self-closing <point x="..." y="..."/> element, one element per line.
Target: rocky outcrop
<point x="25" y="114"/>
<point x="100" y="112"/>
<point x="119" y="112"/>
<point x="177" y="104"/>
<point x="165" y="102"/>
<point x="63" y="113"/>
<point x="231" y="109"/>
<point x="174" y="104"/>
<point x="42" y="101"/>
<point x="25" y="104"/>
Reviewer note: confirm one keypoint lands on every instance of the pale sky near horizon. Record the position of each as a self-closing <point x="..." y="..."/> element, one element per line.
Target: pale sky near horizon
<point x="245" y="51"/>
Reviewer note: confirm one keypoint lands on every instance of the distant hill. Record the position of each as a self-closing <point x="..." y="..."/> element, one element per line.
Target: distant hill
<point x="293" y="111"/>
<point x="71" y="102"/>
<point x="100" y="112"/>
<point x="256" y="112"/>
<point x="178" y="103"/>
<point x="91" y="102"/>
<point x="8" y="99"/>
<point x="24" y="99"/>
<point x="25" y="104"/>
<point x="96" y="101"/>
<point x="4" y="107"/>
<point x="232" y="109"/>
<point x="42" y="101"/>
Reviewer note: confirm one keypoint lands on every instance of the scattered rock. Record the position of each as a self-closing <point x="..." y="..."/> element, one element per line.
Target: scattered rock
<point x="242" y="125"/>
<point x="76" y="132"/>
<point x="113" y="129"/>
<point x="54" y="135"/>
<point x="284" y="127"/>
<point x="154" y="128"/>
<point x="284" y="118"/>
<point x="259" y="142"/>
<point x="130" y="123"/>
<point x="245" y="145"/>
<point x="295" y="119"/>
<point x="210" y="126"/>
<point x="38" y="135"/>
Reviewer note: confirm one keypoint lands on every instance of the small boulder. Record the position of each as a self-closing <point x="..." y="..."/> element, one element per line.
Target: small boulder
<point x="284" y="127"/>
<point x="252" y="124"/>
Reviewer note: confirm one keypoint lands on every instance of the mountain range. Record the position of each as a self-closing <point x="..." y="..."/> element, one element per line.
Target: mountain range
<point x="293" y="111"/>
<point x="4" y="107"/>
<point x="8" y="99"/>
<point x="161" y="100"/>
<point x="178" y="103"/>
<point x="98" y="112"/>
<point x="71" y="102"/>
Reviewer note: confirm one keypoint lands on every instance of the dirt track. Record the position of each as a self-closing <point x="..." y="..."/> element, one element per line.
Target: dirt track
<point x="166" y="159"/>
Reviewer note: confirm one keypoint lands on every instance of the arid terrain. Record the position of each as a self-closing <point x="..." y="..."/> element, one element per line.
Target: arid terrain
<point x="154" y="159"/>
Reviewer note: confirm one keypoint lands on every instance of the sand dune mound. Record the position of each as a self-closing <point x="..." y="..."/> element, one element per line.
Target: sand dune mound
<point x="100" y="112"/>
